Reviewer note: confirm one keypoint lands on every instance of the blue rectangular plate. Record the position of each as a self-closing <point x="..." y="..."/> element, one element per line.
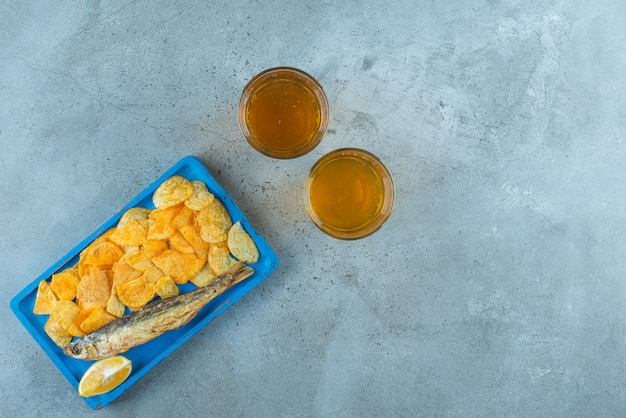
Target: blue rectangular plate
<point x="146" y="356"/>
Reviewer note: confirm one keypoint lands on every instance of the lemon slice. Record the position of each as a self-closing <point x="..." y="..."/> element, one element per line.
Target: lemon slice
<point x="104" y="375"/>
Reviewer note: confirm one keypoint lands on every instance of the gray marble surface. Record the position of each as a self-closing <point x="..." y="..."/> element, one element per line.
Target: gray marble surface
<point x="498" y="286"/>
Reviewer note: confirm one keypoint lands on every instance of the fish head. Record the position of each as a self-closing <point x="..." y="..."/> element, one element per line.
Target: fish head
<point x="81" y="349"/>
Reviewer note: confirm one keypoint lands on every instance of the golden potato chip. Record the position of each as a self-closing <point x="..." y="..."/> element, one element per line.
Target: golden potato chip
<point x="135" y="253"/>
<point x="204" y="277"/>
<point x="241" y="244"/>
<point x="44" y="299"/>
<point x="122" y="273"/>
<point x="191" y="235"/>
<point x="64" y="283"/>
<point x="165" y="287"/>
<point x="161" y="226"/>
<point x="133" y="233"/>
<point x="136" y="293"/>
<point x="152" y="274"/>
<point x="64" y="312"/>
<point x="138" y="214"/>
<point x="75" y="329"/>
<point x="179" y="243"/>
<point x="141" y="259"/>
<point x="57" y="333"/>
<point x="60" y="320"/>
<point x="153" y="248"/>
<point x="83" y="269"/>
<point x="115" y="307"/>
<point x="98" y="318"/>
<point x="104" y="254"/>
<point x="200" y="198"/>
<point x="98" y="240"/>
<point x="130" y="249"/>
<point x="94" y="290"/>
<point x="214" y="222"/>
<point x="84" y="265"/>
<point x="184" y="217"/>
<point x="172" y="191"/>
<point x="179" y="266"/>
<point x="136" y="259"/>
<point x="220" y="260"/>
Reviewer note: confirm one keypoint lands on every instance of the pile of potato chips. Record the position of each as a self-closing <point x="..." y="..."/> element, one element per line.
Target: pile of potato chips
<point x="188" y="237"/>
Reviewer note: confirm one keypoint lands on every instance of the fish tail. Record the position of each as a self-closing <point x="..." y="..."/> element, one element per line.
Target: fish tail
<point x="237" y="273"/>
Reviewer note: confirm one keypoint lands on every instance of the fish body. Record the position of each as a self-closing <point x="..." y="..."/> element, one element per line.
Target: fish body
<point x="153" y="320"/>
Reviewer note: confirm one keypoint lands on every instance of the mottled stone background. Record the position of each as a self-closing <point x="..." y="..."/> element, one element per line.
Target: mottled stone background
<point x="498" y="286"/>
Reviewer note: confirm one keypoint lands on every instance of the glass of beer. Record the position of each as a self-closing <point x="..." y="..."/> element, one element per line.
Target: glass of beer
<point x="349" y="193"/>
<point x="283" y="112"/>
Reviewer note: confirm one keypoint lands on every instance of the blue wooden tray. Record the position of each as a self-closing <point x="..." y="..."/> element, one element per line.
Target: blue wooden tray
<point x="146" y="356"/>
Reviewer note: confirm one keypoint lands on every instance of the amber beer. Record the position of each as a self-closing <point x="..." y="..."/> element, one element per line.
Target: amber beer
<point x="349" y="193"/>
<point x="283" y="112"/>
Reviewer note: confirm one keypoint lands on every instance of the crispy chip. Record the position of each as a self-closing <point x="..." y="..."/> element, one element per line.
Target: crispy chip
<point x="152" y="274"/>
<point x="179" y="266"/>
<point x="84" y="267"/>
<point x="161" y="226"/>
<point x="64" y="283"/>
<point x="104" y="254"/>
<point x="130" y="249"/>
<point x="191" y="235"/>
<point x="138" y="214"/>
<point x="172" y="191"/>
<point x="141" y="259"/>
<point x="214" y="222"/>
<point x="204" y="277"/>
<point x="178" y="242"/>
<point x="165" y="287"/>
<point x="220" y="260"/>
<point x="60" y="320"/>
<point x="241" y="244"/>
<point x="200" y="198"/>
<point x="184" y="217"/>
<point x="94" y="290"/>
<point x="57" y="333"/>
<point x="136" y="293"/>
<point x="97" y="241"/>
<point x="141" y="262"/>
<point x="115" y="307"/>
<point x="136" y="259"/>
<point x="44" y="299"/>
<point x="152" y="248"/>
<point x="75" y="329"/>
<point x="133" y="233"/>
<point x="122" y="273"/>
<point x="98" y="318"/>
<point x="64" y="312"/>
